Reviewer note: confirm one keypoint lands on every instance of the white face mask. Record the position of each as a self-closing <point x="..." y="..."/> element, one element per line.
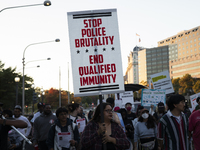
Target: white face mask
<point x="145" y="115"/>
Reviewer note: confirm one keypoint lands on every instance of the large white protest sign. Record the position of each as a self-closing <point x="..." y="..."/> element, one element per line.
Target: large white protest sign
<point x="193" y="100"/>
<point x="152" y="97"/>
<point x="95" y="52"/>
<point x="162" y="81"/>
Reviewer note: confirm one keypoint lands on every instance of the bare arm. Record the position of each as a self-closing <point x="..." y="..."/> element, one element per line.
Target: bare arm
<point x="160" y="144"/>
<point x="15" y="123"/>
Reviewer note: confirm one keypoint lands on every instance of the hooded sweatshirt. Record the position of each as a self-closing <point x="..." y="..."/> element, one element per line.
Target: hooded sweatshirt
<point x="52" y="142"/>
<point x="42" y="124"/>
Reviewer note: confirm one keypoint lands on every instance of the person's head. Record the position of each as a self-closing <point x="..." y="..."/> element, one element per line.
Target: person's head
<point x="47" y="109"/>
<point x="74" y="108"/>
<point x="123" y="113"/>
<point x="40" y="107"/>
<point x="128" y="106"/>
<point x="177" y="102"/>
<point x="107" y="111"/>
<point x="161" y="107"/>
<point x="138" y="113"/>
<point x="7" y="113"/>
<point x="116" y="109"/>
<point x="61" y="114"/>
<point x="149" y="119"/>
<point x="111" y="101"/>
<point x="17" y="111"/>
<point x="198" y="100"/>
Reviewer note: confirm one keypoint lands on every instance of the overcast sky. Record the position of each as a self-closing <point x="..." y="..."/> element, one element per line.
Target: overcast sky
<point x="153" y="20"/>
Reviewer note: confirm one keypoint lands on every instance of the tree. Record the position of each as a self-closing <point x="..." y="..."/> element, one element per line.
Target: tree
<point x="196" y="87"/>
<point x="176" y="85"/>
<point x="186" y="83"/>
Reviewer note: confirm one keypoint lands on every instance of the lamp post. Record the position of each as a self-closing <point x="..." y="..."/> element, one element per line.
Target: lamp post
<point x="46" y="3"/>
<point x="23" y="62"/>
<point x="17" y="79"/>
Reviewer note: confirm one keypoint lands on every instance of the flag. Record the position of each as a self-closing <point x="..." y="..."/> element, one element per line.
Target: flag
<point x="137" y="34"/>
<point x="139" y="40"/>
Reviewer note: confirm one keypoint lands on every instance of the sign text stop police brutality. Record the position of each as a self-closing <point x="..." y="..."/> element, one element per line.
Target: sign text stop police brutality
<point x="93" y="34"/>
<point x="94" y="72"/>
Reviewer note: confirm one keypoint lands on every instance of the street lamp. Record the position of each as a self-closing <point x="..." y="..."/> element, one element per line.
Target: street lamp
<point x="46" y="3"/>
<point x="23" y="62"/>
<point x="17" y="79"/>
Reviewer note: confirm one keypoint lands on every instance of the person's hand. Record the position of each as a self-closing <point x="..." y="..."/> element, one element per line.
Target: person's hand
<point x="102" y="128"/>
<point x="72" y="142"/>
<point x="13" y="146"/>
<point x="106" y="138"/>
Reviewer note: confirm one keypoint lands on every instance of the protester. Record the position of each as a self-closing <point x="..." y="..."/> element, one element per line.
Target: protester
<point x="40" y="110"/>
<point x="160" y="111"/>
<point x="129" y="130"/>
<point x="173" y="126"/>
<point x="145" y="131"/>
<point x="5" y="126"/>
<point x="18" y="116"/>
<point x="138" y="114"/>
<point x="194" y="126"/>
<point x="41" y="126"/>
<point x="74" y="109"/>
<point x="130" y="115"/>
<point x="187" y="111"/>
<point x="82" y="115"/>
<point x="93" y="138"/>
<point x="14" y="138"/>
<point x="62" y="125"/>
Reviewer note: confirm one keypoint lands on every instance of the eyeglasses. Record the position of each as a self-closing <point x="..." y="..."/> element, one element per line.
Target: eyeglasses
<point x="108" y="111"/>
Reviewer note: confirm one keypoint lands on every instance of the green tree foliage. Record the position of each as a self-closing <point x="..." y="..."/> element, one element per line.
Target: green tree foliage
<point x="186" y="83"/>
<point x="176" y="85"/>
<point x="8" y="87"/>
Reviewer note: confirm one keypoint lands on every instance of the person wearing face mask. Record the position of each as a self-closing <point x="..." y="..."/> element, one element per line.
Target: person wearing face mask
<point x="145" y="132"/>
<point x="130" y="115"/>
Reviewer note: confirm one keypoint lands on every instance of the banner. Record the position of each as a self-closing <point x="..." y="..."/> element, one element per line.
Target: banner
<point x="95" y="52"/>
<point x="122" y="98"/>
<point x="152" y="97"/>
<point x="193" y="100"/>
<point x="162" y="81"/>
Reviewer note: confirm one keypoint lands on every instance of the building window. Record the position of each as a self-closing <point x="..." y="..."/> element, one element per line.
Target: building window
<point x="187" y="51"/>
<point x="194" y="40"/>
<point x="183" y="53"/>
<point x="183" y="44"/>
<point x="187" y="47"/>
<point x="183" y="48"/>
<point x="190" y="50"/>
<point x="195" y="49"/>
<point x="191" y="41"/>
<point x="179" y="53"/>
<point x="194" y="44"/>
<point x="186" y="42"/>
<point x="199" y="39"/>
<point x="179" y="49"/>
<point x="190" y="45"/>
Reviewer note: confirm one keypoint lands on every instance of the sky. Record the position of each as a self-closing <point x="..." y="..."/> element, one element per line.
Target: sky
<point x="153" y="20"/>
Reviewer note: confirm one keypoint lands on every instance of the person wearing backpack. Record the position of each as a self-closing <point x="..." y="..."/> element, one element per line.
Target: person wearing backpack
<point x="64" y="134"/>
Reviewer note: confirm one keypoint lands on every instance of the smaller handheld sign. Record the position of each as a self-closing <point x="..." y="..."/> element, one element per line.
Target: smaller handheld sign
<point x="81" y="124"/>
<point x="152" y="97"/>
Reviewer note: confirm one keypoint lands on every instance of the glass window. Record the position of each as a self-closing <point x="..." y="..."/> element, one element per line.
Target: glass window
<point x="199" y="43"/>
<point x="182" y="38"/>
<point x="195" y="40"/>
<point x="187" y="51"/>
<point x="190" y="45"/>
<point x="195" y="49"/>
<point x="191" y="41"/>
<point x="186" y="42"/>
<point x="183" y="48"/>
<point x="179" y="49"/>
<point x="199" y="38"/>
<point x="179" y="53"/>
<point x="187" y="47"/>
<point x="186" y="37"/>
<point x="194" y="44"/>
<point x="183" y="43"/>
<point x="190" y="50"/>
<point x="183" y="53"/>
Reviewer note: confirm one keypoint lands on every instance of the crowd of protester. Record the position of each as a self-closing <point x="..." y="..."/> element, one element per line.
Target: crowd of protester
<point x="167" y="127"/>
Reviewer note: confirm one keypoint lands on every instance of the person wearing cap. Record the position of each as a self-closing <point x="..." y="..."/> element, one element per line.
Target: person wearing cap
<point x="173" y="126"/>
<point x="17" y="115"/>
<point x="160" y="111"/>
<point x="40" y="110"/>
<point x="5" y="126"/>
<point x="194" y="126"/>
<point x="145" y="131"/>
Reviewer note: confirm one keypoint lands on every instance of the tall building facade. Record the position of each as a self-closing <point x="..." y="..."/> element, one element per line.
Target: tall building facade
<point x="151" y="61"/>
<point x="132" y="75"/>
<point x="184" y="50"/>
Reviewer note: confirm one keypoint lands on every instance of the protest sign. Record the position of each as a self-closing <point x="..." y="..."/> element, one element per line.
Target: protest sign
<point x="95" y="52"/>
<point x="152" y="97"/>
<point x="193" y="100"/>
<point x="81" y="124"/>
<point x="162" y="81"/>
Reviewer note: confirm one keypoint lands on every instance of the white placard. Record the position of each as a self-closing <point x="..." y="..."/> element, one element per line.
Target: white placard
<point x="193" y="100"/>
<point x="81" y="124"/>
<point x="152" y="97"/>
<point x="162" y="81"/>
<point x="63" y="139"/>
<point x="118" y="103"/>
<point x="95" y="52"/>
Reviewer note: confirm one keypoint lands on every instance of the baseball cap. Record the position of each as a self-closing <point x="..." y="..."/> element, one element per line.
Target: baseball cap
<point x="144" y="110"/>
<point x="161" y="106"/>
<point x="18" y="107"/>
<point x="40" y="104"/>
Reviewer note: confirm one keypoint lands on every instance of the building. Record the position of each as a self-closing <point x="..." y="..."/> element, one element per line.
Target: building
<point x="151" y="61"/>
<point x="184" y="50"/>
<point x="132" y="69"/>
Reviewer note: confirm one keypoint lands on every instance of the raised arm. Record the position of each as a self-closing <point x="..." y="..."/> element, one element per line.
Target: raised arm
<point x="15" y="123"/>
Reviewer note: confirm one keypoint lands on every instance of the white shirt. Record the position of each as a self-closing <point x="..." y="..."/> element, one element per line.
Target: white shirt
<point x="178" y="118"/>
<point x="35" y="116"/>
<point x="24" y="131"/>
